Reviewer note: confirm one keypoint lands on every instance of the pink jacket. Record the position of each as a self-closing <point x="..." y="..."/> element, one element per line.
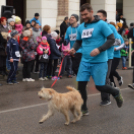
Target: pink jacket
<point x="19" y="28"/>
<point x="65" y="48"/>
<point x="42" y="46"/>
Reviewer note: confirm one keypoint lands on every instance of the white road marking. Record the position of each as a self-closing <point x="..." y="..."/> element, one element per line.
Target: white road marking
<point x="42" y="104"/>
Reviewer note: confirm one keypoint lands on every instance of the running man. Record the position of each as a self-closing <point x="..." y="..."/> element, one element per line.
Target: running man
<point x="95" y="37"/>
<point x="105" y="96"/>
<point x="70" y="36"/>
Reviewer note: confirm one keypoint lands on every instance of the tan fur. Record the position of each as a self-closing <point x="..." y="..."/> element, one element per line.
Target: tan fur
<point x="63" y="102"/>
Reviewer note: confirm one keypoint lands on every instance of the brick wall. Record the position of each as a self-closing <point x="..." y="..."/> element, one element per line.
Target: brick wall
<point x="62" y="7"/>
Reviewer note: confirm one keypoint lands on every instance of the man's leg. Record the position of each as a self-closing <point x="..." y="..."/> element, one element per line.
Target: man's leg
<point x="99" y="77"/>
<point x="105" y="96"/>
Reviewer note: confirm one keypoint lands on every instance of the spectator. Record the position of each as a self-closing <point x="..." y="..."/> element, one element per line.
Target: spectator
<point x="117" y="16"/>
<point x="11" y="24"/>
<point x="131" y="34"/>
<point x="33" y="23"/>
<point x="54" y="56"/>
<point x="28" y="47"/>
<point x="47" y="32"/>
<point x="36" y="19"/>
<point x="63" y="28"/>
<point x="27" y="25"/>
<point x="13" y="55"/>
<point x="36" y="34"/>
<point x="125" y="32"/>
<point x="131" y="26"/>
<point x="43" y="51"/>
<point x="66" y="62"/>
<point x="122" y="20"/>
<point x="4" y="32"/>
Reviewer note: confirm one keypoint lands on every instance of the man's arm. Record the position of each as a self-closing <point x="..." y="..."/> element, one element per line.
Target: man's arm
<point x="77" y="44"/>
<point x="109" y="43"/>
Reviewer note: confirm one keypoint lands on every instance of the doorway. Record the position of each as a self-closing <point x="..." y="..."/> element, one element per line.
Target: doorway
<point x="19" y="8"/>
<point x="84" y="1"/>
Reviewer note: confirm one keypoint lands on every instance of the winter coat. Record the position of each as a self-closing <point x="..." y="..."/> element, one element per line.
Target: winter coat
<point x="40" y="50"/>
<point x="36" y="33"/>
<point x="13" y="50"/>
<point x="4" y="32"/>
<point x="28" y="47"/>
<point x="55" y="53"/>
<point x="19" y="28"/>
<point x="63" y="28"/>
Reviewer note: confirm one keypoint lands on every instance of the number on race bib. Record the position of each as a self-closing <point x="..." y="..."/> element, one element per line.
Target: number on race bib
<point x="87" y="33"/>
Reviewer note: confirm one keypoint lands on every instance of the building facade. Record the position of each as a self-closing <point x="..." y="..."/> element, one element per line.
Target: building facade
<point x="52" y="12"/>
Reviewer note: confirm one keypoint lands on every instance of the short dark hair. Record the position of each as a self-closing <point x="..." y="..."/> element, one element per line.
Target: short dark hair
<point x="131" y="24"/>
<point x="36" y="24"/>
<point x="103" y="12"/>
<point x="36" y="14"/>
<point x="66" y="18"/>
<point x="86" y="6"/>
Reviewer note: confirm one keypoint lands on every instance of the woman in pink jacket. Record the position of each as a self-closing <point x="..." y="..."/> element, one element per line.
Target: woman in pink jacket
<point x="43" y="51"/>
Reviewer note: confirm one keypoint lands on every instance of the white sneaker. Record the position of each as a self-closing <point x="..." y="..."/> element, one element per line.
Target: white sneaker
<point x="45" y="78"/>
<point x="30" y="80"/>
<point x="41" y="78"/>
<point x="24" y="80"/>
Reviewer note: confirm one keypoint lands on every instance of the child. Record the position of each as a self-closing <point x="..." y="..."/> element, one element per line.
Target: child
<point x="124" y="54"/>
<point x="13" y="55"/>
<point x="43" y="51"/>
<point x="66" y="62"/>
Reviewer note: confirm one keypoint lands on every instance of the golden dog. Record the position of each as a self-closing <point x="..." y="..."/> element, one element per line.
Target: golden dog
<point x="63" y="102"/>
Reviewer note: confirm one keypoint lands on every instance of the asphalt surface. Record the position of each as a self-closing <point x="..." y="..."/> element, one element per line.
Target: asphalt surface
<point x="21" y="109"/>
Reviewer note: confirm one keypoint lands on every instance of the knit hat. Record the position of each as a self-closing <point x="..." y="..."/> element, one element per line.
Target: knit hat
<point x="54" y="35"/>
<point x="76" y="16"/>
<point x="44" y="38"/>
<point x="36" y="14"/>
<point x="27" y="22"/>
<point x="10" y="20"/>
<point x="17" y="19"/>
<point x="27" y="33"/>
<point x="13" y="33"/>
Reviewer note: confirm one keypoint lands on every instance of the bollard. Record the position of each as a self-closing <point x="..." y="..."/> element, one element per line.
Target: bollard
<point x="130" y="56"/>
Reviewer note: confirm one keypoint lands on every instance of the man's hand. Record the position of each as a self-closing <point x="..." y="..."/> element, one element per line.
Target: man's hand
<point x="72" y="51"/>
<point x="95" y="52"/>
<point x="115" y="49"/>
<point x="11" y="60"/>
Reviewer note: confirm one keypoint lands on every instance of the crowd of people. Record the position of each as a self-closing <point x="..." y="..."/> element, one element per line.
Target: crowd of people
<point x="93" y="48"/>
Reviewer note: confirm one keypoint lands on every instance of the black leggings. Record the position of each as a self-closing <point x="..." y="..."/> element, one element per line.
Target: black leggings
<point x="105" y="88"/>
<point x="113" y="73"/>
<point x="27" y="66"/>
<point x="52" y="68"/>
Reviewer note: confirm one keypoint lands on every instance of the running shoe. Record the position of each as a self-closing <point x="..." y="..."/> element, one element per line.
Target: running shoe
<point x="124" y="68"/>
<point x="105" y="103"/>
<point x="69" y="76"/>
<point x="85" y="113"/>
<point x="15" y="82"/>
<point x="121" y="81"/>
<point x="131" y="86"/>
<point x="55" y="78"/>
<point x="24" y="79"/>
<point x="10" y="83"/>
<point x="41" y="78"/>
<point x="45" y="78"/>
<point x="30" y="80"/>
<point x="119" y="100"/>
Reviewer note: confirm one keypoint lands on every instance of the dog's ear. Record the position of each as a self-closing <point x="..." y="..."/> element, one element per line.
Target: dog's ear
<point x="51" y="92"/>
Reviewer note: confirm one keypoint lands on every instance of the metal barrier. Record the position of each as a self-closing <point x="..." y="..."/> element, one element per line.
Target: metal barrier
<point x="130" y="56"/>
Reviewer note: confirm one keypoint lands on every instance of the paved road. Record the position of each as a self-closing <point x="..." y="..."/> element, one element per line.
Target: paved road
<point x="21" y="109"/>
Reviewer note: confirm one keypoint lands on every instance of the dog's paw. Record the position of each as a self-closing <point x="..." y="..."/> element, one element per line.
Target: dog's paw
<point x="66" y="123"/>
<point x="73" y="121"/>
<point x="40" y="122"/>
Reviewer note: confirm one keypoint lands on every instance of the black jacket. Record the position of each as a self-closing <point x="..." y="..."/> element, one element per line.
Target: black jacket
<point x="63" y="28"/>
<point x="55" y="53"/>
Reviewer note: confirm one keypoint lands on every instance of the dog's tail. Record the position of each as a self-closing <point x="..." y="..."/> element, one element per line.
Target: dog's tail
<point x="71" y="88"/>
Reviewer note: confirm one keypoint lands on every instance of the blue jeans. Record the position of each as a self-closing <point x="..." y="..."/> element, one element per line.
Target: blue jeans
<point x="12" y="73"/>
<point x="124" y="61"/>
<point x="8" y="64"/>
<point x="43" y="70"/>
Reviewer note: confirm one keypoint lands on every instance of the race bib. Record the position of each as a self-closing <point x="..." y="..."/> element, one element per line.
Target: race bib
<point x="73" y="37"/>
<point x="17" y="53"/>
<point x="45" y="56"/>
<point x="87" y="33"/>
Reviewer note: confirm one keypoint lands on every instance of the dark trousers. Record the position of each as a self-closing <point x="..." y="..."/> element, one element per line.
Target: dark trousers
<point x="106" y="96"/>
<point x="27" y="66"/>
<point x="105" y="88"/>
<point x="3" y="63"/>
<point x="12" y="73"/>
<point x="76" y="62"/>
<point x="66" y="65"/>
<point x="113" y="73"/>
<point x="37" y="63"/>
<point x="52" y="67"/>
<point x="43" y="69"/>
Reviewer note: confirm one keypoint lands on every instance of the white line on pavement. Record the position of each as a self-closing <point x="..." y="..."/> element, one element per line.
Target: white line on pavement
<point x="42" y="104"/>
